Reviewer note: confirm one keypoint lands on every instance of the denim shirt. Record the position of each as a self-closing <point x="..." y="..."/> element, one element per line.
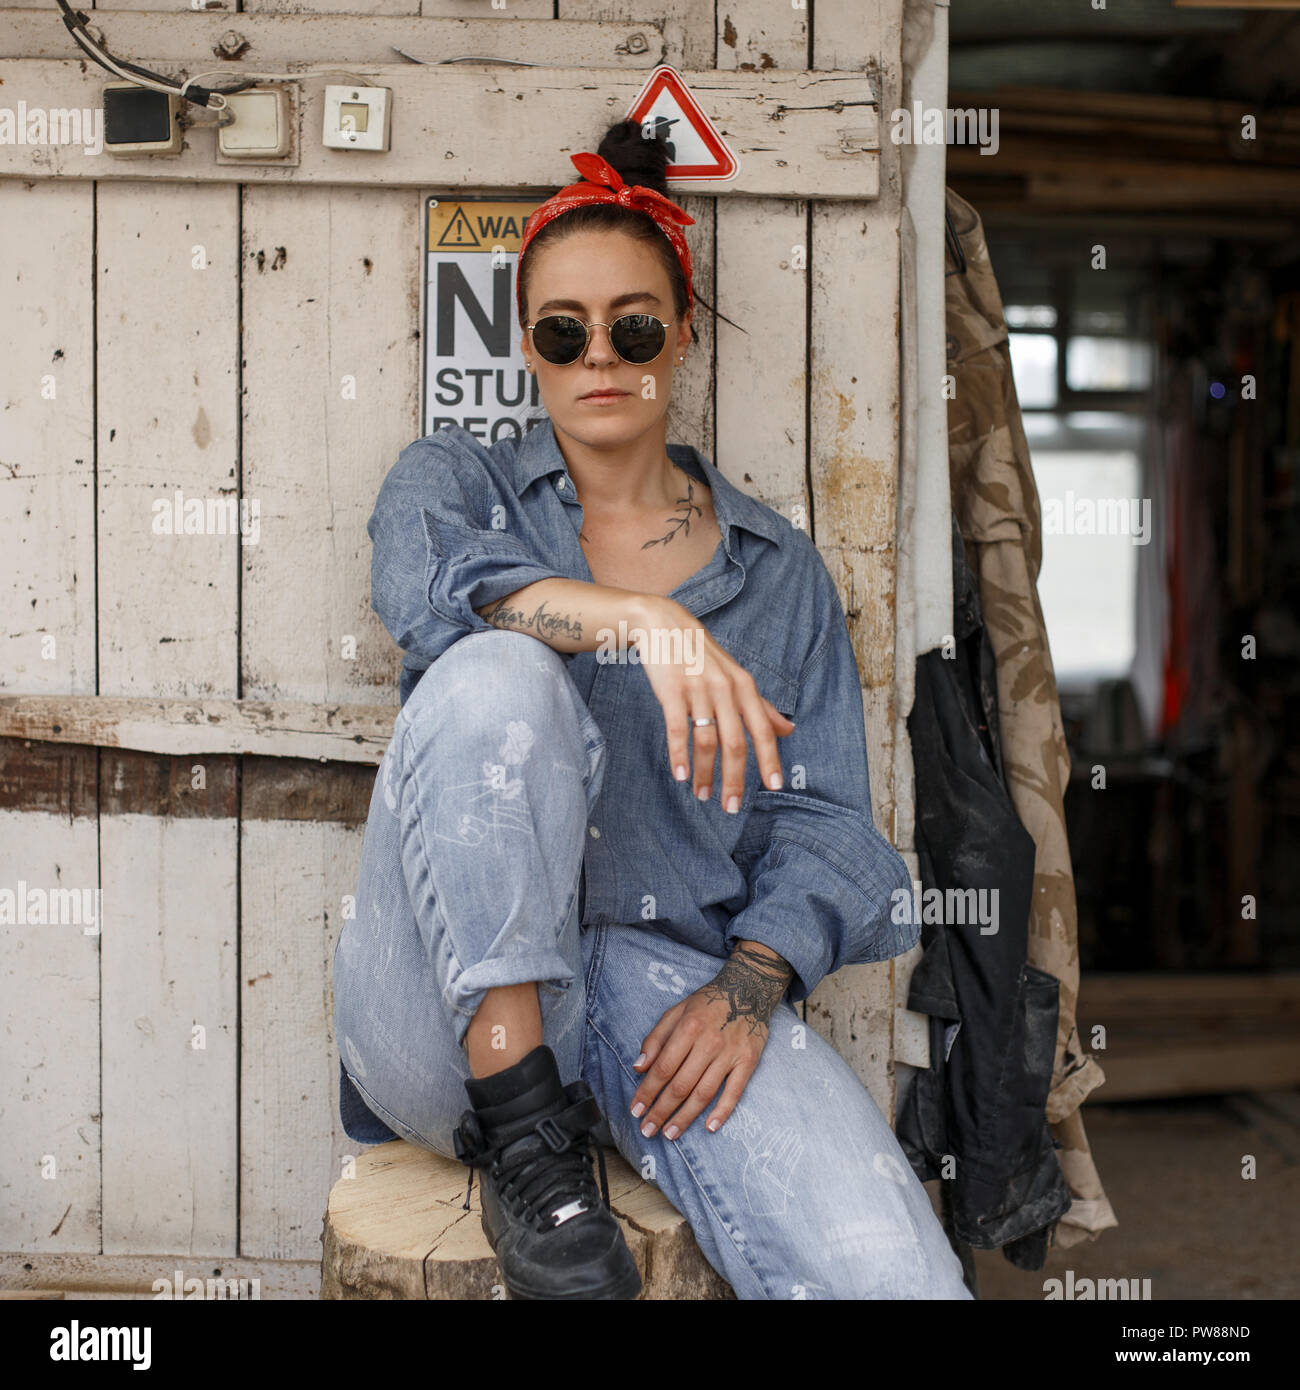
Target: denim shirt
<point x="460" y="523"/>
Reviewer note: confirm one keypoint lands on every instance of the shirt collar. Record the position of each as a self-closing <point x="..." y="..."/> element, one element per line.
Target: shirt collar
<point x="539" y="456"/>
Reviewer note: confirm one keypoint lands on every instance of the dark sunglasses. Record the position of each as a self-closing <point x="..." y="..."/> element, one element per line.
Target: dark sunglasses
<point x="637" y="338"/>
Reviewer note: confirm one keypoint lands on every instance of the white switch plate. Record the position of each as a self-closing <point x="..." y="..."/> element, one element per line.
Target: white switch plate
<point x="261" y="125"/>
<point x="357" y="118"/>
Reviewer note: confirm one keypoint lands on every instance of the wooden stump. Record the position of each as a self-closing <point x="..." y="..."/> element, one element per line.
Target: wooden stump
<point x="398" y="1229"/>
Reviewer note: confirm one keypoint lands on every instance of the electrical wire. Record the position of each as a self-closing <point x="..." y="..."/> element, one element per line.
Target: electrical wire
<point x="215" y="97"/>
<point x="76" y="22"/>
<point x="253" y="78"/>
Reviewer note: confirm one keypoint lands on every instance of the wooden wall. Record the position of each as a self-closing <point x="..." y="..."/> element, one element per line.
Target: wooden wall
<point x="168" y="1081"/>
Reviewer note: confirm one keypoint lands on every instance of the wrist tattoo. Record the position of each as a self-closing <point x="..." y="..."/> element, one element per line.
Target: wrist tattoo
<point x="753" y="984"/>
<point x="540" y="622"/>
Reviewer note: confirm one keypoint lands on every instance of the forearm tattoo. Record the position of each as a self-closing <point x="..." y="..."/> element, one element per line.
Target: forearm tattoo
<point x="541" y="622"/>
<point x="753" y="984"/>
<point x="686" y="505"/>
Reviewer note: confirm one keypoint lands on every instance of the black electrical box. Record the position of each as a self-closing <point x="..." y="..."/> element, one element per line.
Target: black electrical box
<point x="138" y="120"/>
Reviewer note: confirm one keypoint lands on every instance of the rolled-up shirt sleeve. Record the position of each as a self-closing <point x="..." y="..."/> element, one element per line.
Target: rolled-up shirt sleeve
<point x="435" y="559"/>
<point x="823" y="882"/>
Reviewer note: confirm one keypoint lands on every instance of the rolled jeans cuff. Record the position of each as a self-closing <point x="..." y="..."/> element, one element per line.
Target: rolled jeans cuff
<point x="465" y="991"/>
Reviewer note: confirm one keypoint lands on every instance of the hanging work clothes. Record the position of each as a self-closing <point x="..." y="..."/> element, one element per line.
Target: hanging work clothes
<point x="976" y="1117"/>
<point x="995" y="501"/>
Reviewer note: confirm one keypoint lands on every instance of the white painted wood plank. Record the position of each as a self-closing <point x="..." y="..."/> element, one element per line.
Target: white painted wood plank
<point x="341" y="35"/>
<point x="167" y="261"/>
<point x="854" y="421"/>
<point x="295" y="878"/>
<point x="490" y="128"/>
<point x="168" y="951"/>
<point x="687" y="25"/>
<point x="47" y="448"/>
<point x="691" y="412"/>
<point x="520" y="9"/>
<point x="763" y="288"/>
<point x="49" y="1004"/>
<point x="286" y="729"/>
<point x="331" y="396"/>
<point x="168" y="342"/>
<point x="133" y="1276"/>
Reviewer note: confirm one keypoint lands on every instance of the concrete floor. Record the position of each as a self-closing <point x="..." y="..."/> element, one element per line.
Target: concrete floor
<point x="1188" y="1220"/>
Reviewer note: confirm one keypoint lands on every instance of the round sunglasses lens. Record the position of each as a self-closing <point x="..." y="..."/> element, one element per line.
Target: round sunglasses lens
<point x="559" y="339"/>
<point x="638" y="337"/>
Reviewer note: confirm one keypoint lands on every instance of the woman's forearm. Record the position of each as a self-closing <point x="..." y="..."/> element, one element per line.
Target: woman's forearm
<point x="573" y="615"/>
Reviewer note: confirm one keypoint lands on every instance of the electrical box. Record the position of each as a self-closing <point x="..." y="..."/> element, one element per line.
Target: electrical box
<point x="139" y="121"/>
<point x="261" y="127"/>
<point x="357" y="118"/>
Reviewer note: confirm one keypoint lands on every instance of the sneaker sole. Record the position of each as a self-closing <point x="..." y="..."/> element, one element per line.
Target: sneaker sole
<point x="628" y="1287"/>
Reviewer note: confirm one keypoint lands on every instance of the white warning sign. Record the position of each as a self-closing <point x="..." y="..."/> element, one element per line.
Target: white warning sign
<point x="473" y="371"/>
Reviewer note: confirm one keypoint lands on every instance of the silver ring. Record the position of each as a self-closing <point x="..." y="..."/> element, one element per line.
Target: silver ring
<point x="700" y="723"/>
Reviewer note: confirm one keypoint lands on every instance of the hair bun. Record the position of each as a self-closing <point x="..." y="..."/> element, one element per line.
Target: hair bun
<point x="637" y="158"/>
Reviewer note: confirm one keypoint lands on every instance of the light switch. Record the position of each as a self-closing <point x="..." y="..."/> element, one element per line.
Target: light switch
<point x="261" y="125"/>
<point x="357" y="118"/>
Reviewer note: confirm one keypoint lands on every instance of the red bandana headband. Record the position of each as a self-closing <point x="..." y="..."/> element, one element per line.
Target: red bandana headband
<point x="602" y="183"/>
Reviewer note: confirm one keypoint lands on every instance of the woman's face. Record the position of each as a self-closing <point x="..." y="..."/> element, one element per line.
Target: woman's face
<point x="596" y="277"/>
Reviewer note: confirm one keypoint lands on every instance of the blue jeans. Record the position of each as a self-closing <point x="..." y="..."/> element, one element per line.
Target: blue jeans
<point x="469" y="880"/>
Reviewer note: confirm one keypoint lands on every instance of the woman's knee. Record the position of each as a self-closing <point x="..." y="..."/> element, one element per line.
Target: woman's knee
<point x="487" y="679"/>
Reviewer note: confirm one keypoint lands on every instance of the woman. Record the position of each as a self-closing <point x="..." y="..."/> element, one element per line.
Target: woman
<point x="578" y="903"/>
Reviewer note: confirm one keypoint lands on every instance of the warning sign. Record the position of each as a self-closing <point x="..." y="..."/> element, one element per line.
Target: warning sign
<point x="473" y="372"/>
<point x="696" y="149"/>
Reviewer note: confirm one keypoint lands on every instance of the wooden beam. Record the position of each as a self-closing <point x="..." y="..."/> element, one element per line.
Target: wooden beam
<point x="134" y="1276"/>
<point x="283" y="728"/>
<point x="1131" y="106"/>
<point x="1204" y="179"/>
<point x="796" y="134"/>
<point x="195" y="39"/>
<point x="1237" y="4"/>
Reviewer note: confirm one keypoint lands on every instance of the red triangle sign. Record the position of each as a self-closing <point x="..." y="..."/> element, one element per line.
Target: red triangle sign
<point x="699" y="151"/>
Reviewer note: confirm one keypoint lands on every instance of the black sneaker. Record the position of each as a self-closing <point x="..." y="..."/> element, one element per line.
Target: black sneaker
<point x="553" y="1234"/>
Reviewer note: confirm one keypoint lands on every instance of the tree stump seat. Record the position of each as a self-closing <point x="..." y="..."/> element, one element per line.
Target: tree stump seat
<point x="398" y="1228"/>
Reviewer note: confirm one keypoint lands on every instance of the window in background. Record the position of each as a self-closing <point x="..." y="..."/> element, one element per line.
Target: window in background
<point x="1082" y="361"/>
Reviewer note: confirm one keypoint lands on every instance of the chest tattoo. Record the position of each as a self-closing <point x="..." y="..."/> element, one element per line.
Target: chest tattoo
<point x="682" y="522"/>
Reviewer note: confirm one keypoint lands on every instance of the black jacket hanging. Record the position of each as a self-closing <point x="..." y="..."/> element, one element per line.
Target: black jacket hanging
<point x="976" y="1117"/>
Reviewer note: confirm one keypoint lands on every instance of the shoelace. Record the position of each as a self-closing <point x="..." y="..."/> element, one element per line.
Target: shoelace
<point x="547" y="1174"/>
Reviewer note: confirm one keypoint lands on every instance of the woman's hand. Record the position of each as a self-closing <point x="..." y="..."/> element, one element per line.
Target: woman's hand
<point x="713" y="1036"/>
<point x="694" y="678"/>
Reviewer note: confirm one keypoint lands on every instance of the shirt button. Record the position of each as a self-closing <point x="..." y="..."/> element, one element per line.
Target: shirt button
<point x="559" y="487"/>
<point x="593" y="832"/>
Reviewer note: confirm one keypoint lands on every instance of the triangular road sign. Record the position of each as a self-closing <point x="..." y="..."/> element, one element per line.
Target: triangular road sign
<point x="697" y="150"/>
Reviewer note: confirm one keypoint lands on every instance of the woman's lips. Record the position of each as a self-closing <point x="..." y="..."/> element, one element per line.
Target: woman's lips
<point x="605" y="397"/>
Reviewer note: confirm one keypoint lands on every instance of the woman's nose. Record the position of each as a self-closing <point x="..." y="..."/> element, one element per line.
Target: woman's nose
<point x="599" y="348"/>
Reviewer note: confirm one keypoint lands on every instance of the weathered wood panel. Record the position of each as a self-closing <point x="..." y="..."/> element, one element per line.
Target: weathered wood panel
<point x="331" y="330"/>
<point x="47" y="452"/>
<point x="763" y="288"/>
<point x="296" y="880"/>
<point x="49" y="984"/>
<point x="169" y="1006"/>
<point x="283" y="42"/>
<point x="134" y="1276"/>
<point x="167" y="316"/>
<point x="167" y="320"/>
<point x="49" y="1000"/>
<point x="281" y="728"/>
<point x="809" y="134"/>
<point x="854" y="265"/>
